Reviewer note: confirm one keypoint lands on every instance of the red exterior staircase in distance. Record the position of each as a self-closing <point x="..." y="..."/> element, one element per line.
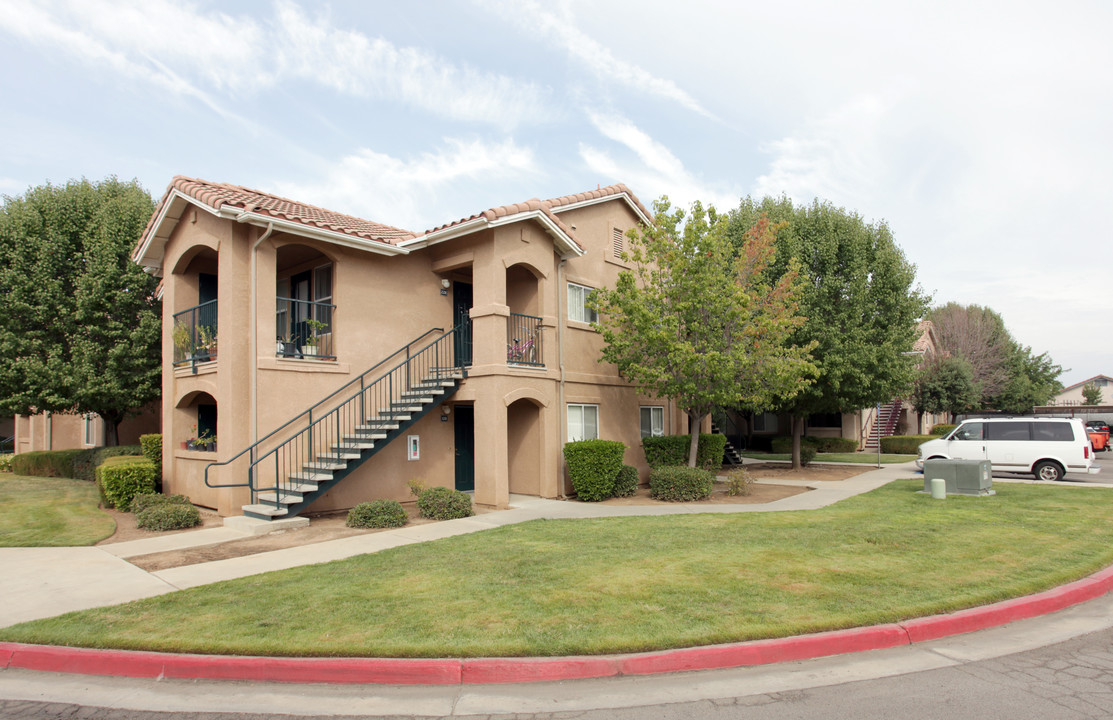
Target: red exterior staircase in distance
<point x="884" y="425"/>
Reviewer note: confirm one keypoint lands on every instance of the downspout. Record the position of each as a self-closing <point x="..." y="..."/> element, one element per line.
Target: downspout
<point x="562" y="430"/>
<point x="255" y="333"/>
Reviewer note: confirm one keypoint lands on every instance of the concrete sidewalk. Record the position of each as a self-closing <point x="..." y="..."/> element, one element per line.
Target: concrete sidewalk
<point x="44" y="582"/>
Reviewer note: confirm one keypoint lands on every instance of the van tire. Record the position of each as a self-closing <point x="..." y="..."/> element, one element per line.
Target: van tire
<point x="1048" y="470"/>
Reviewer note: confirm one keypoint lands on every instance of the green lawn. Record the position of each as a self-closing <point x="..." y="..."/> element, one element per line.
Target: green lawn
<point x="50" y="512"/>
<point x="632" y="584"/>
<point x="886" y="459"/>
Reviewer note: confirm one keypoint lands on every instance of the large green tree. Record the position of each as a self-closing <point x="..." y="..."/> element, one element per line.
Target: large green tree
<point x="80" y="327"/>
<point x="699" y="323"/>
<point x="860" y="299"/>
<point x="945" y="385"/>
<point x="1008" y="376"/>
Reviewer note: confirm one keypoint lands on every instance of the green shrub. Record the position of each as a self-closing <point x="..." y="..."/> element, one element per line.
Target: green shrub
<point x="783" y="444"/>
<point x="672" y="450"/>
<point x="739" y="482"/>
<point x="152" y="450"/>
<point x="626" y="482"/>
<point x="167" y="516"/>
<point x="440" y="503"/>
<point x="904" y="444"/>
<point x="593" y="466"/>
<point x="680" y="483"/>
<point x="45" y="463"/>
<point x="379" y="514"/>
<point x="142" y="501"/>
<point x="807" y="454"/>
<point x="942" y="428"/>
<point x="122" y="478"/>
<point x="6" y="462"/>
<point x="86" y="461"/>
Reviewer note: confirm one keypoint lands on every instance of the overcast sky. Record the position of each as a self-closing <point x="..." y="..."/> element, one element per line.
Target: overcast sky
<point x="980" y="131"/>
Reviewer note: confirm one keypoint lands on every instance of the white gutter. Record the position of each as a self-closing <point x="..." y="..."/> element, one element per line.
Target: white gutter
<point x="606" y="198"/>
<point x="308" y="231"/>
<point x="568" y="246"/>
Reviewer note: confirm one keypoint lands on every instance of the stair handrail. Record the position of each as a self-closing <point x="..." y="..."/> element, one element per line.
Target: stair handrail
<point x="360" y="378"/>
<point x="342" y="407"/>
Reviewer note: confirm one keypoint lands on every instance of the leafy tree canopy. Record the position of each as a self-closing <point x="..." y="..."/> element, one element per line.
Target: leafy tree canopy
<point x="700" y="323"/>
<point x="859" y="298"/>
<point x="945" y="385"/>
<point x="80" y="327"/>
<point x="1091" y="394"/>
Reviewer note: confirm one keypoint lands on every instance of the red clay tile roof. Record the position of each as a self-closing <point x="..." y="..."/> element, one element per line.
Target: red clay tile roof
<point x="216" y="195"/>
<point x="608" y="191"/>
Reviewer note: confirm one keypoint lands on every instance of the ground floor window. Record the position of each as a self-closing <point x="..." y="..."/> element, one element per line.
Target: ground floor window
<point x="825" y="420"/>
<point x="583" y="422"/>
<point x="765" y="423"/>
<point x="89" y="421"/>
<point x="653" y="421"/>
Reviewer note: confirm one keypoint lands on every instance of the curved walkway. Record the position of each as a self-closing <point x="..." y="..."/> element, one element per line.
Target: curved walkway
<point x="90" y="577"/>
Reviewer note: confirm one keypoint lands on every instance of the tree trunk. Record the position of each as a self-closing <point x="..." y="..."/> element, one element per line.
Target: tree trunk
<point x="693" y="427"/>
<point x="797" y="423"/>
<point x="112" y="428"/>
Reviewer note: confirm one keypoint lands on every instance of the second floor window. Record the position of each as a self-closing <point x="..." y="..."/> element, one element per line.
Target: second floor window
<point x="577" y="304"/>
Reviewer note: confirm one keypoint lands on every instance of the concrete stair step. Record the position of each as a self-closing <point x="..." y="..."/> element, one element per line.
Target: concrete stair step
<point x="265" y="510"/>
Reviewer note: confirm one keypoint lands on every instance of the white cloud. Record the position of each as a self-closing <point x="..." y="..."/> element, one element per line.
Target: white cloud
<point x="404" y="192"/>
<point x="594" y="56"/>
<point x="182" y="49"/>
<point x="656" y="170"/>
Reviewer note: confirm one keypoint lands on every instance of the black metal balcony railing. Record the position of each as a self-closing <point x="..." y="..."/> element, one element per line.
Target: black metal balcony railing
<point x="523" y="340"/>
<point x="304" y="329"/>
<point x="194" y="335"/>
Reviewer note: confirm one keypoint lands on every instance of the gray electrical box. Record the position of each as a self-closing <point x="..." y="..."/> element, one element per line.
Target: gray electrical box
<point x="963" y="477"/>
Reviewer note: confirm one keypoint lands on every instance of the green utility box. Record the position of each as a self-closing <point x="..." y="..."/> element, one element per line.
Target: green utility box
<point x="964" y="477"/>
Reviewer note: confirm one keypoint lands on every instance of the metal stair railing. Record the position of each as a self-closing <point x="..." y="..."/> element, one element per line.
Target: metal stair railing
<point x="356" y="424"/>
<point x="307" y="416"/>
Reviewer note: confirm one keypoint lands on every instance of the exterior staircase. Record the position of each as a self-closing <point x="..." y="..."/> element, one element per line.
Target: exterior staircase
<point x="731" y="456"/>
<point x="310" y="454"/>
<point x="884" y="425"/>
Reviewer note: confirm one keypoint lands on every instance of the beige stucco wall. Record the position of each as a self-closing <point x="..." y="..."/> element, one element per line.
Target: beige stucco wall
<point x="61" y="431"/>
<point x="382" y="302"/>
<point x="1073" y="396"/>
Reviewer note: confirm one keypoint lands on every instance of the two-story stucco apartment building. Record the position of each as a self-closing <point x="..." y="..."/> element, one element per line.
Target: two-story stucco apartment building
<point x="316" y="357"/>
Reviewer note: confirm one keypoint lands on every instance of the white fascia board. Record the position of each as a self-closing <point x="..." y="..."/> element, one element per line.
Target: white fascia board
<point x="315" y="233"/>
<point x="606" y="198"/>
<point x="158" y="232"/>
<point x="567" y="244"/>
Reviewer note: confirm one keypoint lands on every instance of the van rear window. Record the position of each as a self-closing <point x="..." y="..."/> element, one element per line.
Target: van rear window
<point x="1059" y="431"/>
<point x="1008" y="431"/>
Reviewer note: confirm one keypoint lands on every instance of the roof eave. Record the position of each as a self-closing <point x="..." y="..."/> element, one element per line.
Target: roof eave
<point x="303" y="230"/>
<point x="567" y="247"/>
<point x="634" y="207"/>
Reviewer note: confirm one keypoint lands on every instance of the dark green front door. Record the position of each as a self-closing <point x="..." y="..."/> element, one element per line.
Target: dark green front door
<point x="464" y="419"/>
<point x="461" y="319"/>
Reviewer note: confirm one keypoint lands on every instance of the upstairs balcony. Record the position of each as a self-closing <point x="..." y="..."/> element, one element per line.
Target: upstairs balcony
<point x="195" y="336"/>
<point x="304" y="329"/>
<point x="524" y="341"/>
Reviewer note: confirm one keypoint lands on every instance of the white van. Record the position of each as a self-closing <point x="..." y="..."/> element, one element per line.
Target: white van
<point x="1046" y="447"/>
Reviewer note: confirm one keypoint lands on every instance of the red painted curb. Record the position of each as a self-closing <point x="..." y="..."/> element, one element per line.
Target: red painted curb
<point x="764" y="652"/>
<point x="141" y="664"/>
<point x="447" y="671"/>
<point x="1003" y="613"/>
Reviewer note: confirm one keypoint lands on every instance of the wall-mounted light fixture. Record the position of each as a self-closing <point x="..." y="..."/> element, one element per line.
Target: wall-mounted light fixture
<point x="445" y="284"/>
<point x="446" y="410"/>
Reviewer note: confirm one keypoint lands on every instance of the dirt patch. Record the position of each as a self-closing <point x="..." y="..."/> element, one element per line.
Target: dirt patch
<point x="126" y="529"/>
<point x="812" y="473"/>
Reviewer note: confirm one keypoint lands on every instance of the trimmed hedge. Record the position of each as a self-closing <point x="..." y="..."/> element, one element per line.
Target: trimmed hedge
<point x="377" y="514"/>
<point x="85" y="464"/>
<point x="76" y="464"/>
<point x="904" y="444"/>
<point x="152" y="450"/>
<point x="942" y="428"/>
<point x="680" y="483"/>
<point x="783" y="444"/>
<point x="167" y="516"/>
<point x="122" y="478"/>
<point x="593" y="466"/>
<point x="672" y="450"/>
<point x="626" y="482"/>
<point x="142" y="501"/>
<point x="441" y="503"/>
<point x="45" y="463"/>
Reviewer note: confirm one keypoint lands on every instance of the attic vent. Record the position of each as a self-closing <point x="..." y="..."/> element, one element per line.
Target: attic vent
<point x="617" y="242"/>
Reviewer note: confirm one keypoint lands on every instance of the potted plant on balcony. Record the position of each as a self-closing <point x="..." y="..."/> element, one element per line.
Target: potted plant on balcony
<point x="285" y="347"/>
<point x="313" y="340"/>
<point x="183" y="343"/>
<point x="206" y="343"/>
